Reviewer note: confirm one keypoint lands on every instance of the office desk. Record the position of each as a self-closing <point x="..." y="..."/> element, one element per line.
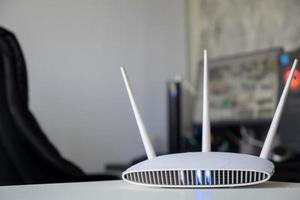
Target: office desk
<point x="121" y="190"/>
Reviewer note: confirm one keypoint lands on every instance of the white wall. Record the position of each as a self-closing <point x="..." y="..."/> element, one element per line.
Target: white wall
<point x="232" y="27"/>
<point x="73" y="50"/>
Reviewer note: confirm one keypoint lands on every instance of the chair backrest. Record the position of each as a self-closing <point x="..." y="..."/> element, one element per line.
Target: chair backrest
<point x="27" y="154"/>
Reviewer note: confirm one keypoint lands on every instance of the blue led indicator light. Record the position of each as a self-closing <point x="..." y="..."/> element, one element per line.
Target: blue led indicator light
<point x="173" y="93"/>
<point x="284" y="59"/>
<point x="207" y="177"/>
<point x="199" y="177"/>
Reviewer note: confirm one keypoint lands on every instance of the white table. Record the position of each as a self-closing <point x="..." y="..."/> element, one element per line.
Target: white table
<point x="121" y="190"/>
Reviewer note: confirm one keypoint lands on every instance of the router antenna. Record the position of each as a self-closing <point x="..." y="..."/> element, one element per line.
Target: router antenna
<point x="145" y="138"/>
<point x="205" y="115"/>
<point x="275" y="122"/>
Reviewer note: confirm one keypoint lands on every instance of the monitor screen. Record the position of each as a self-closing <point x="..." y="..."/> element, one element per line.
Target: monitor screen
<point x="242" y="88"/>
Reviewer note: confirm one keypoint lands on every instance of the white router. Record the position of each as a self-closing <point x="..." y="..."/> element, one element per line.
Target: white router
<point x="206" y="168"/>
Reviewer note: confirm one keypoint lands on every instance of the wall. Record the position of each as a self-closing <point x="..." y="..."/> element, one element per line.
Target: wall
<point x="234" y="26"/>
<point x="73" y="51"/>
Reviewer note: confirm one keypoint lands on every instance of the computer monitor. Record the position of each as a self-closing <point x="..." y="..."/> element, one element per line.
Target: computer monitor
<point x="243" y="89"/>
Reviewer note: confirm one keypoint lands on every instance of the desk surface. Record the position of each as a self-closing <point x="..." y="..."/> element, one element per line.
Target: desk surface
<point x="121" y="190"/>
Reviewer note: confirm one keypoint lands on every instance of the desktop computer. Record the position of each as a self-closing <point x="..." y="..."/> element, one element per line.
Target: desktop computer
<point x="244" y="90"/>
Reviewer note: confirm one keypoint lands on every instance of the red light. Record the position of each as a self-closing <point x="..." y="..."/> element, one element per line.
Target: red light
<point x="295" y="84"/>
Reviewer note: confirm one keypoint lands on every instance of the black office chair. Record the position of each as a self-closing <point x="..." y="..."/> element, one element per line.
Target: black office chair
<point x="26" y="154"/>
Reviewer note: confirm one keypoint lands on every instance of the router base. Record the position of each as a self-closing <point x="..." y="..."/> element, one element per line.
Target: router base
<point x="200" y="169"/>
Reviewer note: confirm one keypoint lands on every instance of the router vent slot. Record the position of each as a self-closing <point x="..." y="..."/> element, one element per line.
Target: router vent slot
<point x="195" y="177"/>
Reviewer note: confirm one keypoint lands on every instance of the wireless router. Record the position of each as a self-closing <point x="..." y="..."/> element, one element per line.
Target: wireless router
<point x="206" y="168"/>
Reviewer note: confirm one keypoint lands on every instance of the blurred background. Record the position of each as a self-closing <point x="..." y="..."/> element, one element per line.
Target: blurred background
<point x="73" y="50"/>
